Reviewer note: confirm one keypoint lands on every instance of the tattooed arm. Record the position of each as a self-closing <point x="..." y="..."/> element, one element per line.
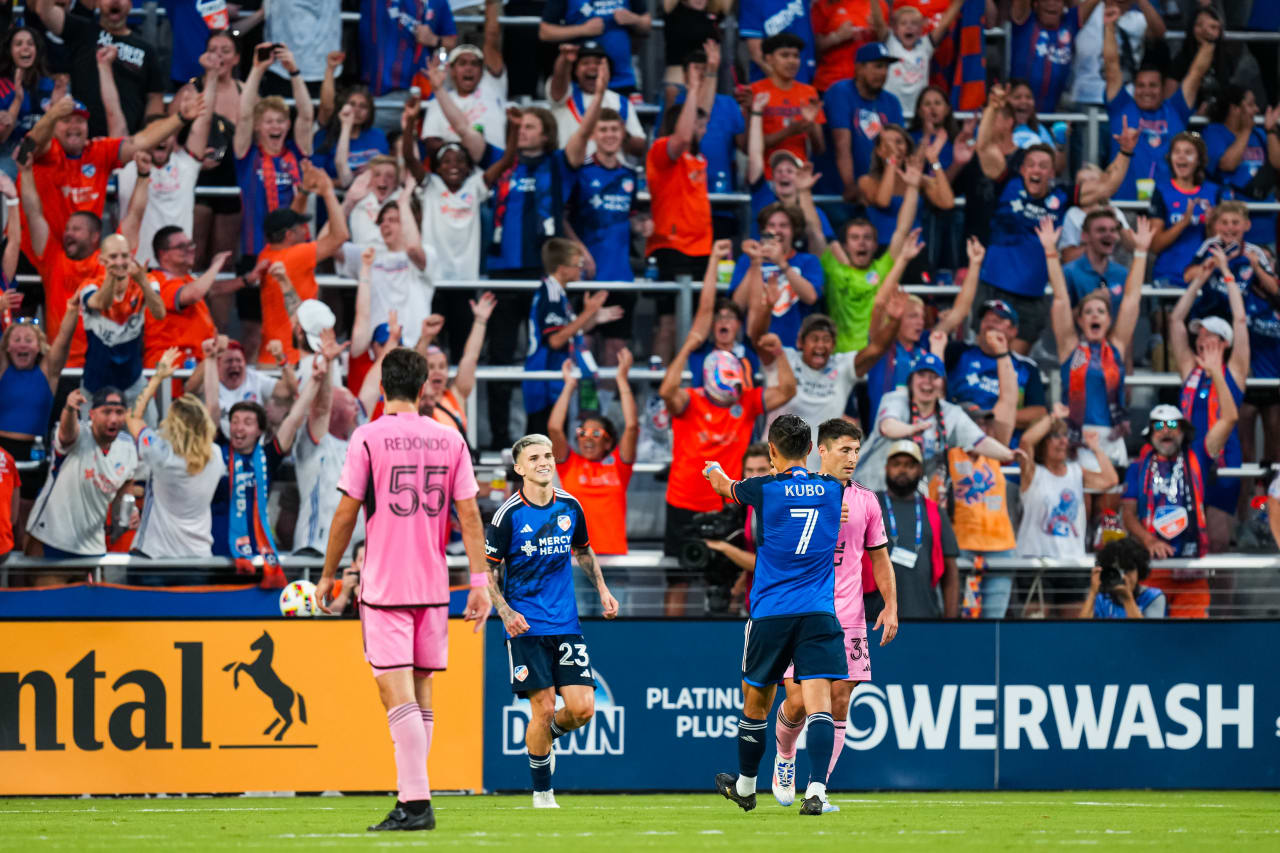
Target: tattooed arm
<point x="586" y="560"/>
<point x="512" y="620"/>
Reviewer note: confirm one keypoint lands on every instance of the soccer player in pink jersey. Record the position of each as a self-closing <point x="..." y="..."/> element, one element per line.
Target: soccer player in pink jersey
<point x="406" y="471"/>
<point x="862" y="532"/>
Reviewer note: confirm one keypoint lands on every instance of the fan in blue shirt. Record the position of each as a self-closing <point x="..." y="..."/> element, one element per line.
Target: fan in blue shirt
<point x="391" y="46"/>
<point x="759" y="19"/>
<point x="610" y="22"/>
<point x="1157" y="118"/>
<point x="1043" y="47"/>
<point x="773" y="262"/>
<point x="1015" y="261"/>
<point x="856" y="112"/>
<point x="1238" y="151"/>
<point x="1180" y="206"/>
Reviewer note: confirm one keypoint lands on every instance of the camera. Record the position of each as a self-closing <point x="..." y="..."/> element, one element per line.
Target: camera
<point x="696" y="557"/>
<point x="1109" y="578"/>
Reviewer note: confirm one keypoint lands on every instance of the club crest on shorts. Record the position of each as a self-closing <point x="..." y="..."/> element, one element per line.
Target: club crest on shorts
<point x="564" y="522"/>
<point x="521" y="672"/>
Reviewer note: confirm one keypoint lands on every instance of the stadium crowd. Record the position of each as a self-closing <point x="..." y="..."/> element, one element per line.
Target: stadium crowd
<point x="168" y="344"/>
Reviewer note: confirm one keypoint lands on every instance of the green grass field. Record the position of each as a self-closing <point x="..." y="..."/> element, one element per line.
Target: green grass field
<point x="1110" y="819"/>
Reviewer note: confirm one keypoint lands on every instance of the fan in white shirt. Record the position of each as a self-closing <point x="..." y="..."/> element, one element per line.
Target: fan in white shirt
<point x="478" y="82"/>
<point x="370" y="192"/>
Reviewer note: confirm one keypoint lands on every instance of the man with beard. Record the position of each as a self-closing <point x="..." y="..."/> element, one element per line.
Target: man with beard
<point x="857" y="110"/>
<point x="1164" y="498"/>
<point x="113" y="309"/>
<point x="573" y="81"/>
<point x="136" y="70"/>
<point x="91" y="469"/>
<point x="922" y="543"/>
<point x="1096" y="268"/>
<point x="237" y="381"/>
<point x="477" y="84"/>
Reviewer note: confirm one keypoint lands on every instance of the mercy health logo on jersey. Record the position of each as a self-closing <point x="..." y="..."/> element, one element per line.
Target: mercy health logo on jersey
<point x="604" y="735"/>
<point x="1212" y="715"/>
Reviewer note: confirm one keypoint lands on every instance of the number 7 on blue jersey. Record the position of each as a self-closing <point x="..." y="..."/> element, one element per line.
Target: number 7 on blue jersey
<point x="810" y="517"/>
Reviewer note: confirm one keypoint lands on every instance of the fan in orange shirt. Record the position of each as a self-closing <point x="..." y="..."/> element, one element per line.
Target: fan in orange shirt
<point x="187" y="320"/>
<point x="288" y="251"/>
<point x="599" y="471"/>
<point x="792" y="111"/>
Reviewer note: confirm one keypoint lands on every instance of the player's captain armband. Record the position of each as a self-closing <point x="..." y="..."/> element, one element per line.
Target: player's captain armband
<point x="479" y="580"/>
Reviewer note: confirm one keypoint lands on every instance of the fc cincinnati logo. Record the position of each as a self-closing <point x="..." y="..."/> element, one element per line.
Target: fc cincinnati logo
<point x="88" y="170"/>
<point x="564" y="522"/>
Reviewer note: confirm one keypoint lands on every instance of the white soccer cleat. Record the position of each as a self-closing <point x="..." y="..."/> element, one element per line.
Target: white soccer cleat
<point x="829" y="807"/>
<point x="545" y="800"/>
<point x="784" y="781"/>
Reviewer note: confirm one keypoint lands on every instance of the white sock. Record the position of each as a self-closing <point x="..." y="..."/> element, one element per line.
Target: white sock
<point x="816" y="789"/>
<point x="746" y="786"/>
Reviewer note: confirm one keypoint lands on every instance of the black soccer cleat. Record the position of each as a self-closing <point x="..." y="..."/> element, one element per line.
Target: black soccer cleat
<point x="727" y="785"/>
<point x="399" y="819"/>
<point x="811" y="805"/>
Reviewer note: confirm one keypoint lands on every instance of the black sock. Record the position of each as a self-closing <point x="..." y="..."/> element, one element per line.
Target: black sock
<point x="540" y="770"/>
<point x="415" y="807"/>
<point x="751" y="737"/>
<point x="556" y="731"/>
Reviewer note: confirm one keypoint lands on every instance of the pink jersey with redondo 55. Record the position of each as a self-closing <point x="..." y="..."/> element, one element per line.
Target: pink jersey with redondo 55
<point x="408" y="471"/>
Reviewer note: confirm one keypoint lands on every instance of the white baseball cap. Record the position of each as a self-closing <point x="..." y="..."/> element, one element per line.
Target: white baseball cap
<point x="314" y="317"/>
<point x="1216" y="325"/>
<point x="1165" y="412"/>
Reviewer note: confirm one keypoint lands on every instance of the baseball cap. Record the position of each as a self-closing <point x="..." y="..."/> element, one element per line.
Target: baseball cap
<point x="464" y="50"/>
<point x="381" y="333"/>
<point x="1165" y="412"/>
<point x="314" y="317"/>
<point x="908" y="447"/>
<point x="1002" y="309"/>
<point x="782" y="154"/>
<point x="929" y="361"/>
<point x="1216" y="325"/>
<point x="591" y="47"/>
<point x="873" y="51"/>
<point x="102" y="397"/>
<point x="281" y="219"/>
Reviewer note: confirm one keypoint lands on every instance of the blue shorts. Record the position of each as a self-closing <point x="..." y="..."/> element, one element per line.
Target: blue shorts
<point x="813" y="641"/>
<point x="555" y="660"/>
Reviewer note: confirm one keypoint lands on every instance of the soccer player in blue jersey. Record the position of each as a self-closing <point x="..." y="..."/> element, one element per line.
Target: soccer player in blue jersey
<point x="793" y="617"/>
<point x="533" y="534"/>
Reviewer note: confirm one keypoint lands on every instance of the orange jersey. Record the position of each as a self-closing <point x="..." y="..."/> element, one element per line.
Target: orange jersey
<point x="601" y="488"/>
<point x="10" y="480"/>
<point x="62" y="278"/>
<point x="184" y="328"/>
<point x="828" y="16"/>
<point x="678" y="201"/>
<point x="69" y="185"/>
<point x="705" y="432"/>
<point x="981" y="507"/>
<point x="782" y="111"/>
<point x="300" y="265"/>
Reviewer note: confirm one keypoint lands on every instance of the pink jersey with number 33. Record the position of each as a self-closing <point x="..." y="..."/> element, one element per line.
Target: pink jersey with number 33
<point x="408" y="471"/>
<point x="863" y="530"/>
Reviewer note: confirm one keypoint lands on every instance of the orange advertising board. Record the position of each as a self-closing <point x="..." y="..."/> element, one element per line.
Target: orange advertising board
<point x="218" y="707"/>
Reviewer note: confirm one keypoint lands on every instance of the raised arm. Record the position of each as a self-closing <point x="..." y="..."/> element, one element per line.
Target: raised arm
<point x="671" y="392"/>
<point x="1199" y="67"/>
<point x="116" y="125"/>
<point x="1209" y="359"/>
<point x="69" y="420"/>
<point x="32" y="206"/>
<point x="948" y="19"/>
<point x="704" y="316"/>
<point x="472" y="140"/>
<point x="328" y="86"/>
<point x="1064" y="326"/>
<point x="56" y="359"/>
<point x="1032" y="436"/>
<point x="1238" y="364"/>
<point x="243" y="139"/>
<point x="755" y="138"/>
<point x="1105" y="477"/>
<point x="190" y="105"/>
<point x="335" y="232"/>
<point x="287" y="432"/>
<point x="958" y="313"/>
<point x="209" y="370"/>
<point x="304" y="122"/>
<point x="884" y="328"/>
<point x="1179" y="344"/>
<point x="560" y="413"/>
<point x="990" y="157"/>
<point x="784" y="389"/>
<point x="481" y="309"/>
<point x="1005" y="412"/>
<point x="150" y="296"/>
<point x="342" y="150"/>
<point x="682" y="136"/>
<point x="1111" y="70"/>
<point x="907" y="212"/>
<point x="492" y="44"/>
<point x="805" y="182"/>
<point x="1095" y="191"/>
<point x="131" y="223"/>
<point x="135" y="422"/>
<point x="508" y="159"/>
<point x="1131" y="301"/>
<point x="630" y="412"/>
<point x="575" y="150"/>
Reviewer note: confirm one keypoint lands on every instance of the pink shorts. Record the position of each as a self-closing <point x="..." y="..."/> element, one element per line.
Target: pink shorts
<point x="405" y="638"/>
<point x="857" y="652"/>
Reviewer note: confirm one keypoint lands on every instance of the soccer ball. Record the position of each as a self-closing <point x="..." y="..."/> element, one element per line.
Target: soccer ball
<point x="298" y="599"/>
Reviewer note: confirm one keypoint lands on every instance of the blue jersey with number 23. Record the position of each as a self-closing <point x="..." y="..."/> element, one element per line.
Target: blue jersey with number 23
<point x="797" y="523"/>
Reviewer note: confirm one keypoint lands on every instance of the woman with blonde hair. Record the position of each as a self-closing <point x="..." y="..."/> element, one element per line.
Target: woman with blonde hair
<point x="185" y="470"/>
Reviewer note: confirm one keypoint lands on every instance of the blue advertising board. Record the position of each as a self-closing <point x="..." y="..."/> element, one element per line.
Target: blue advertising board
<point x="958" y="705"/>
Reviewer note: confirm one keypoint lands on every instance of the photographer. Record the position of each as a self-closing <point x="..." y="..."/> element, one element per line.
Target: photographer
<point x="1118" y="571"/>
<point x="346" y="592"/>
<point x="755" y="463"/>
